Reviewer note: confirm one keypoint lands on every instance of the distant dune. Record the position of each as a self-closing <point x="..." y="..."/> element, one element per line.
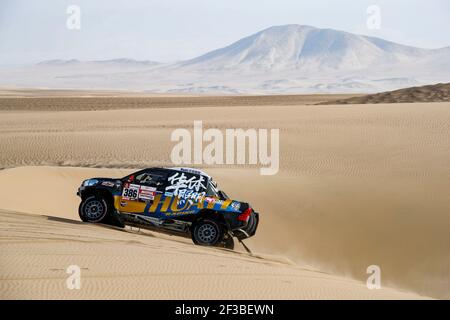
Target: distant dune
<point x="80" y="100"/>
<point x="431" y="93"/>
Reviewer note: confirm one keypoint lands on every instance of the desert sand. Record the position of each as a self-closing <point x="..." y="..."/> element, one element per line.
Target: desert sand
<point x="69" y="100"/>
<point x="137" y="265"/>
<point x="358" y="185"/>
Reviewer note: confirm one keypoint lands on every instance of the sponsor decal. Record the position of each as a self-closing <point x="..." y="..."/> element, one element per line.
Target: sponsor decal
<point x="236" y="205"/>
<point x="210" y="200"/>
<point x="130" y="192"/>
<point x="179" y="181"/>
<point x="175" y="205"/>
<point x="147" y="196"/>
<point x="147" y="193"/>
<point x="145" y="188"/>
<point x="187" y="194"/>
<point x="179" y="213"/>
<point x="188" y="188"/>
<point x="108" y="184"/>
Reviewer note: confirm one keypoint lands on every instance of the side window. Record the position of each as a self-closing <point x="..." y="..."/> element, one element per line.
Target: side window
<point x="186" y="185"/>
<point x="151" y="179"/>
<point x="211" y="191"/>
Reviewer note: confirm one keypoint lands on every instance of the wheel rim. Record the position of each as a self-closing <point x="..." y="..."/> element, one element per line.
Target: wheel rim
<point x="206" y="233"/>
<point x="94" y="209"/>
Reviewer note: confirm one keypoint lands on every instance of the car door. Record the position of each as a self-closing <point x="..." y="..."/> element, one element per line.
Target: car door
<point x="185" y="188"/>
<point x="139" y="190"/>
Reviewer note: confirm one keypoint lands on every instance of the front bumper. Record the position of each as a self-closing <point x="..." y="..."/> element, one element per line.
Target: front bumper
<point x="80" y="190"/>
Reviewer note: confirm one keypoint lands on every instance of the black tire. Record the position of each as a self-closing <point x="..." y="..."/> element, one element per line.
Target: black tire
<point x="93" y="209"/>
<point x="104" y="209"/>
<point x="207" y="233"/>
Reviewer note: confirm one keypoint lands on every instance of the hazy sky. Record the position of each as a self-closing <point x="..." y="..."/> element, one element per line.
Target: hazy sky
<point x="168" y="30"/>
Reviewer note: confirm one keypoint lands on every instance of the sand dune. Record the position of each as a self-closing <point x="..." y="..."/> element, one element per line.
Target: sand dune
<point x="404" y="140"/>
<point x="66" y="100"/>
<point x="37" y="250"/>
<point x="358" y="185"/>
<point x="432" y="93"/>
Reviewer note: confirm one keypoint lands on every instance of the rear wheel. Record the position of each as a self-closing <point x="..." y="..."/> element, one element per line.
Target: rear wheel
<point x="207" y="233"/>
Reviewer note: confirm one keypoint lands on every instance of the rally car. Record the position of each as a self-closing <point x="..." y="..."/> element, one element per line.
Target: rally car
<point x="181" y="201"/>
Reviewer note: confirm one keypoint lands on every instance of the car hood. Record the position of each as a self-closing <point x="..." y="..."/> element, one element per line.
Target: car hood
<point x="106" y="182"/>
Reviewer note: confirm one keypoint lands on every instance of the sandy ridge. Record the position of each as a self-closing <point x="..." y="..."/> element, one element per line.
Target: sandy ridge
<point x="36" y="251"/>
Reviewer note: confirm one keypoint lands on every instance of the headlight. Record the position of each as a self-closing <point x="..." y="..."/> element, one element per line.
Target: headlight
<point x="90" y="182"/>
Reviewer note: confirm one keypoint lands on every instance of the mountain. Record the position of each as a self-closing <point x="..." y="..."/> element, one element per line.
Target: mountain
<point x="305" y="48"/>
<point x="279" y="59"/>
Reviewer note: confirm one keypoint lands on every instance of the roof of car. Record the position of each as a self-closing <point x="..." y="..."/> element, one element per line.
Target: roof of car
<point x="190" y="170"/>
<point x="182" y="169"/>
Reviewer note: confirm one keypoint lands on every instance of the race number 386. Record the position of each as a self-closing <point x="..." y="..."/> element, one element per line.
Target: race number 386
<point x="131" y="192"/>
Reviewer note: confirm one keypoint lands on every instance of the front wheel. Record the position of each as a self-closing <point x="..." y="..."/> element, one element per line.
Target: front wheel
<point x="207" y="233"/>
<point x="93" y="209"/>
